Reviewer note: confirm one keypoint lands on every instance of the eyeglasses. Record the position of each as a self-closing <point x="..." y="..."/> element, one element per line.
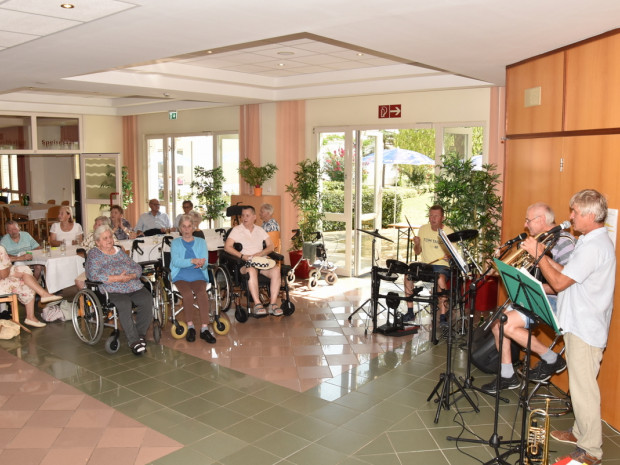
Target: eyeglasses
<point x="532" y="219"/>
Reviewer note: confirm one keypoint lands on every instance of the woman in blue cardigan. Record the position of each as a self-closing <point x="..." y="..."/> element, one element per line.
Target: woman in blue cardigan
<point x="188" y="271"/>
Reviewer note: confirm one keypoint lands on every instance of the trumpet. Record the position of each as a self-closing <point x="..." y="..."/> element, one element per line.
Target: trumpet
<point x="537" y="450"/>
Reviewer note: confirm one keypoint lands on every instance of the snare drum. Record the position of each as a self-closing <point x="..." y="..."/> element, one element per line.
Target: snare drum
<point x="395" y="266"/>
<point x="420" y="272"/>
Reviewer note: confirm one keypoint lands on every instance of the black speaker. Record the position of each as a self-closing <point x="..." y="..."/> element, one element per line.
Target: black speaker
<point x="484" y="355"/>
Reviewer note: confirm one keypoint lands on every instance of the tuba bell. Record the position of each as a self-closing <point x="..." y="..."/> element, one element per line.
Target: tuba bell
<point x="521" y="259"/>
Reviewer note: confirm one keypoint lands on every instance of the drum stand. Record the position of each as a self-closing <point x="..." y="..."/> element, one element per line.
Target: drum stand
<point x="448" y="377"/>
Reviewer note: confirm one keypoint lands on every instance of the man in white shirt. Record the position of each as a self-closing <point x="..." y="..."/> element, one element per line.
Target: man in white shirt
<point x="153" y="222"/>
<point x="251" y="237"/>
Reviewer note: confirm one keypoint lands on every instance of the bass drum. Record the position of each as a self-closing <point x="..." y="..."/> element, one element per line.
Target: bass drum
<point x="484" y="355"/>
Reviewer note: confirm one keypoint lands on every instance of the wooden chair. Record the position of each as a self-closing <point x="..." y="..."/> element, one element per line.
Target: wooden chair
<point x="50" y="218"/>
<point x="23" y="223"/>
<point x="11" y="299"/>
<point x="65" y="202"/>
<point x="51" y="202"/>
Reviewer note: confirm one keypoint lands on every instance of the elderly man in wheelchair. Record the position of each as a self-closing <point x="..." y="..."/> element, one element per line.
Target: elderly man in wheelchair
<point x="251" y="238"/>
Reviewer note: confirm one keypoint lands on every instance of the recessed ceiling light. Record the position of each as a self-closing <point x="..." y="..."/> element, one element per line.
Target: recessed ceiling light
<point x="281" y="64"/>
<point x="67" y="6"/>
<point x="209" y="52"/>
<point x="360" y="54"/>
<point x="286" y="53"/>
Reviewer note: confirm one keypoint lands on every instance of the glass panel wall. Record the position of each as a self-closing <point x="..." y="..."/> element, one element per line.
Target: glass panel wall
<point x="15" y="132"/>
<point x="58" y="133"/>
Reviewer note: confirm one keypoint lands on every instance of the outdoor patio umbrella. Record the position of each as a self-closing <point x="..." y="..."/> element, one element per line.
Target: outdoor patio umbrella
<point x="399" y="156"/>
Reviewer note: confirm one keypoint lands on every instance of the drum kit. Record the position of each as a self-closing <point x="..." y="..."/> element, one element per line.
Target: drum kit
<point x="415" y="271"/>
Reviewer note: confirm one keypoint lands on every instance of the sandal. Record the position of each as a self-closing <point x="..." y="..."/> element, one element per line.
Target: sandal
<point x="138" y="348"/>
<point x="275" y="310"/>
<point x="259" y="310"/>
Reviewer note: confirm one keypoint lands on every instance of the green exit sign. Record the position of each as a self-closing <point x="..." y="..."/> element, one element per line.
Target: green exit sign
<point x="172" y="115"/>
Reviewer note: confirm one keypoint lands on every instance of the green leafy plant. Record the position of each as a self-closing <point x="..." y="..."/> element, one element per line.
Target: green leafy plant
<point x="126" y="187"/>
<point x="254" y="175"/>
<point x="208" y="186"/>
<point x="306" y="196"/>
<point x="470" y="200"/>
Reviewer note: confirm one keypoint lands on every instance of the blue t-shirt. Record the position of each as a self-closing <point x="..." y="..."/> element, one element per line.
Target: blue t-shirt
<point x="26" y="243"/>
<point x="189" y="274"/>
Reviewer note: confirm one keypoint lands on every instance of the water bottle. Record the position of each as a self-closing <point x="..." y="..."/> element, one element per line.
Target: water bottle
<point x="26" y="199"/>
<point x="63" y="248"/>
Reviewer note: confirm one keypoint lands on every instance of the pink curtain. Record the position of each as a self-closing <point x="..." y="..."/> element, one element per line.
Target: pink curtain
<point x="249" y="139"/>
<point x="130" y="160"/>
<point x="290" y="149"/>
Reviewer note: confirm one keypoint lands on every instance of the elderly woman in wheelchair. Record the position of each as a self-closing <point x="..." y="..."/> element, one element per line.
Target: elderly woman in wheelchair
<point x="251" y="238"/>
<point x="188" y="272"/>
<point x="119" y="277"/>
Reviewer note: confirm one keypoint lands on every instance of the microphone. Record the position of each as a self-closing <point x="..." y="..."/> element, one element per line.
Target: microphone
<point x="556" y="229"/>
<point x="519" y="238"/>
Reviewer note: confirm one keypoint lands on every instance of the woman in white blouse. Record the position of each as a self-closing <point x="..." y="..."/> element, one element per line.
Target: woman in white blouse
<point x="67" y="230"/>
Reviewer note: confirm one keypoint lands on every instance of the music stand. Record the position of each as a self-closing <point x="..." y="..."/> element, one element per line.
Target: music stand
<point x="528" y="295"/>
<point x="448" y="376"/>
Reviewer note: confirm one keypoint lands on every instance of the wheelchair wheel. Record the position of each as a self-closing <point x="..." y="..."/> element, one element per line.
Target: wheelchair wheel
<point x="160" y="309"/>
<point x="225" y="288"/>
<point x="178" y="329"/>
<point x="221" y="325"/>
<point x="290" y="277"/>
<point x="241" y="314"/>
<point x="312" y="282"/>
<point x="288" y="307"/>
<point x="331" y="278"/>
<point x="87" y="316"/>
<point x="112" y="344"/>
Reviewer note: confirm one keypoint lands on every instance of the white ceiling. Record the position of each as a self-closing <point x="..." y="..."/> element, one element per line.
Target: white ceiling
<point x="129" y="57"/>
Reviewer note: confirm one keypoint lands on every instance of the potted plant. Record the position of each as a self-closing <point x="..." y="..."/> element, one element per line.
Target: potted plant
<point x="256" y="176"/>
<point x="470" y="200"/>
<point x="306" y="197"/>
<point x="209" y="191"/>
<point x="127" y="187"/>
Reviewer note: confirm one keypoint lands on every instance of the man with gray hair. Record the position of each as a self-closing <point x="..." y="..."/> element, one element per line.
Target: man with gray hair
<point x="17" y="243"/>
<point x="539" y="218"/>
<point x="585" y="288"/>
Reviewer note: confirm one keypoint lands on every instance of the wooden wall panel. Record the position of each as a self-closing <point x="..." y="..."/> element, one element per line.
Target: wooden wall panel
<point x="592" y="90"/>
<point x="532" y="167"/>
<point x="546" y="72"/>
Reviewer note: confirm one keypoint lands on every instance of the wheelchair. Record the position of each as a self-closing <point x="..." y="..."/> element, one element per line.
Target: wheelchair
<point x="92" y="310"/>
<point x="231" y="269"/>
<point x="217" y="290"/>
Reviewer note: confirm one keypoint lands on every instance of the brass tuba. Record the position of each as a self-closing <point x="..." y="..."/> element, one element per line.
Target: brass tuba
<point x="537" y="450"/>
<point x="519" y="258"/>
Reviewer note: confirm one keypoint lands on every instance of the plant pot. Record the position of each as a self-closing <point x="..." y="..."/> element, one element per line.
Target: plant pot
<point x="303" y="270"/>
<point x="486" y="294"/>
<point x="258" y="191"/>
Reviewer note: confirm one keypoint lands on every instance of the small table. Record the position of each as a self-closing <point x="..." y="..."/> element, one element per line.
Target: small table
<point x="60" y="270"/>
<point x="400" y="233"/>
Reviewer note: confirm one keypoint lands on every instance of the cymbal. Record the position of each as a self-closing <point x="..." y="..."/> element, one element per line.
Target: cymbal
<point x="464" y="235"/>
<point x="376" y="234"/>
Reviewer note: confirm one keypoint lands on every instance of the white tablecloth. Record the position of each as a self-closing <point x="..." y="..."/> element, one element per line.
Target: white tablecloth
<point x="34" y="211"/>
<point x="60" y="270"/>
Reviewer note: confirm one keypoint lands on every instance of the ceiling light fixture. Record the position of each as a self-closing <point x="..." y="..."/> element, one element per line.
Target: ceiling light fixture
<point x="67" y="6"/>
<point x="359" y="54"/>
<point x="281" y="64"/>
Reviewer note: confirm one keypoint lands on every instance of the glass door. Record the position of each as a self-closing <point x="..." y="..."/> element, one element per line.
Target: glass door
<point x="349" y="187"/>
<point x="100" y="185"/>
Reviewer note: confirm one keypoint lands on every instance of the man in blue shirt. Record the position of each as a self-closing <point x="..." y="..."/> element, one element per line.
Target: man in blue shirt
<point x="153" y="222"/>
<point x="17" y="243"/>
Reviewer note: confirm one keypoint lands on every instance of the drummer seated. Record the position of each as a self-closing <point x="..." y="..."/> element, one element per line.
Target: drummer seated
<point x="443" y="276"/>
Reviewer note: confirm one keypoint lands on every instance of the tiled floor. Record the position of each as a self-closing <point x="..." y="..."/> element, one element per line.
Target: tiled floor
<point x="307" y="389"/>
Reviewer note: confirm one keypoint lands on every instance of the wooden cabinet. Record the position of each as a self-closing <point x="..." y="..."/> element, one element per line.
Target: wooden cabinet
<point x="544" y="75"/>
<point x="592" y="92"/>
